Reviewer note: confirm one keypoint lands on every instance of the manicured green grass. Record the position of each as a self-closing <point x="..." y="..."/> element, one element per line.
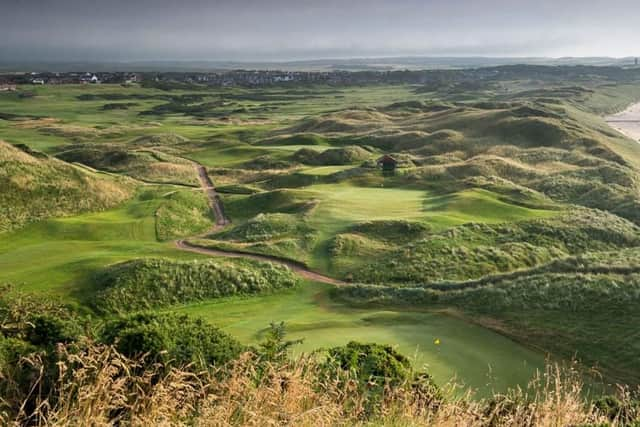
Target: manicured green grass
<point x="341" y="205"/>
<point x="481" y="359"/>
<point x="58" y="256"/>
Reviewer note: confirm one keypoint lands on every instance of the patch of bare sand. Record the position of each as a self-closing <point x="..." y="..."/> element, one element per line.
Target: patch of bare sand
<point x="627" y="122"/>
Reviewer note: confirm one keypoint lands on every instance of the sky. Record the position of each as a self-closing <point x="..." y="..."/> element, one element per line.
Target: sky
<point x="267" y="30"/>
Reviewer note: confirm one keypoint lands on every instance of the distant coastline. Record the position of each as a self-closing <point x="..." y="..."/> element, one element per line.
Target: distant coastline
<point x="627" y="122"/>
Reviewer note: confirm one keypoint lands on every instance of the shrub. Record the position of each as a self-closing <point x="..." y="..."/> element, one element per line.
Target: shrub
<point x="371" y="361"/>
<point x="378" y="369"/>
<point x="171" y="338"/>
<point x="48" y="330"/>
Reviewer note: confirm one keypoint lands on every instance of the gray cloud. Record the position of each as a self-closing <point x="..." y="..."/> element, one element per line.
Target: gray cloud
<point x="296" y="29"/>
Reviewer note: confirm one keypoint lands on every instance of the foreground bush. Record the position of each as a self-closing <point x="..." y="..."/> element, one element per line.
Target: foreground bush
<point x="146" y="283"/>
<point x="171" y="339"/>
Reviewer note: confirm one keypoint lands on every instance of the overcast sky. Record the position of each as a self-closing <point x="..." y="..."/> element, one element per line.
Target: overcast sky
<point x="303" y="29"/>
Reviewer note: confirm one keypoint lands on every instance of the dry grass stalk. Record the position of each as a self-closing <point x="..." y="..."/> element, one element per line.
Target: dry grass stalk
<point x="100" y="387"/>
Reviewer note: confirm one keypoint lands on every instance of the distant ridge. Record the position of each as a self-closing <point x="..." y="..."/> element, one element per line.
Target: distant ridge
<point x="328" y="64"/>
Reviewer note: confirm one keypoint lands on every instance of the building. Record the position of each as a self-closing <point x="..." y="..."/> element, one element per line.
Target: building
<point x="37" y="81"/>
<point x="387" y="163"/>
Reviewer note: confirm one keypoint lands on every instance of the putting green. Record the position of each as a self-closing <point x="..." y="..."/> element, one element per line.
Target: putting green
<point x="341" y="205"/>
<point x="476" y="357"/>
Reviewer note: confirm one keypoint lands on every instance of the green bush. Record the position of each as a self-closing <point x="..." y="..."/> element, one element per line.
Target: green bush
<point x="171" y="338"/>
<point x="375" y="368"/>
<point x="371" y="362"/>
<point x="48" y="330"/>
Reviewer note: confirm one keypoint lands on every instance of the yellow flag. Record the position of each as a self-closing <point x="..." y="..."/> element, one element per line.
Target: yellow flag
<point x="436" y="341"/>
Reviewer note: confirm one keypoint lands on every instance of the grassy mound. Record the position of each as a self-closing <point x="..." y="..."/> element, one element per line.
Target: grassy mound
<point x="334" y="156"/>
<point x="268" y="227"/>
<point x="182" y="213"/>
<point x="297" y="139"/>
<point x="346" y="121"/>
<point x="148" y="283"/>
<point x="391" y="231"/>
<point x="161" y="139"/>
<point x="145" y="164"/>
<point x="282" y="235"/>
<point x="267" y="162"/>
<point x="34" y="188"/>
<point x="475" y="250"/>
<point x="277" y="201"/>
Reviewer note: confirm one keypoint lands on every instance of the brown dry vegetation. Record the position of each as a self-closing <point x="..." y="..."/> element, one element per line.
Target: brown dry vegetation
<point x="101" y="387"/>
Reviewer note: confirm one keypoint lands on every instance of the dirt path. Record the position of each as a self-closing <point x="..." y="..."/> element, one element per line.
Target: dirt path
<point x="214" y="198"/>
<point x="627" y="122"/>
<point x="222" y="221"/>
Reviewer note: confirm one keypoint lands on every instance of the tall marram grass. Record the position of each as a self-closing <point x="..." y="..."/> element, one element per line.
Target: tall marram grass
<point x="100" y="387"/>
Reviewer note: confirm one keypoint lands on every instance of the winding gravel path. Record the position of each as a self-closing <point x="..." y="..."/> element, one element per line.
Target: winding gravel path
<point x="222" y="220"/>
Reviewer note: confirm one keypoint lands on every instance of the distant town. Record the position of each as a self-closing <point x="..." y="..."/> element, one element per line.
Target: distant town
<point x="257" y="78"/>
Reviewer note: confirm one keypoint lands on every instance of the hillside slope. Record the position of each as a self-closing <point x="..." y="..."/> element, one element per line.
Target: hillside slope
<point x="35" y="186"/>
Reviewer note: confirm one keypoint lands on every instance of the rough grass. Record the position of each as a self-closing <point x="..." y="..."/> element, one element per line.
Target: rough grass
<point x="35" y="188"/>
<point x="152" y="283"/>
<point x="103" y="387"/>
<point x="182" y="213"/>
<point x="68" y="250"/>
<point x="334" y="156"/>
<point x="471" y="251"/>
<point x="144" y="164"/>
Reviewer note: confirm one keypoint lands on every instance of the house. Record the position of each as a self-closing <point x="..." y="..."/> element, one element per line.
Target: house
<point x="387" y="163"/>
<point x="37" y="81"/>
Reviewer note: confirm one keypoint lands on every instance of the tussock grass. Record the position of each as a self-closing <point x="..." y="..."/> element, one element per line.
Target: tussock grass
<point x="471" y="251"/>
<point x="149" y="283"/>
<point x="99" y="386"/>
<point x="182" y="213"/>
<point x="34" y="188"/>
<point x="144" y="164"/>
